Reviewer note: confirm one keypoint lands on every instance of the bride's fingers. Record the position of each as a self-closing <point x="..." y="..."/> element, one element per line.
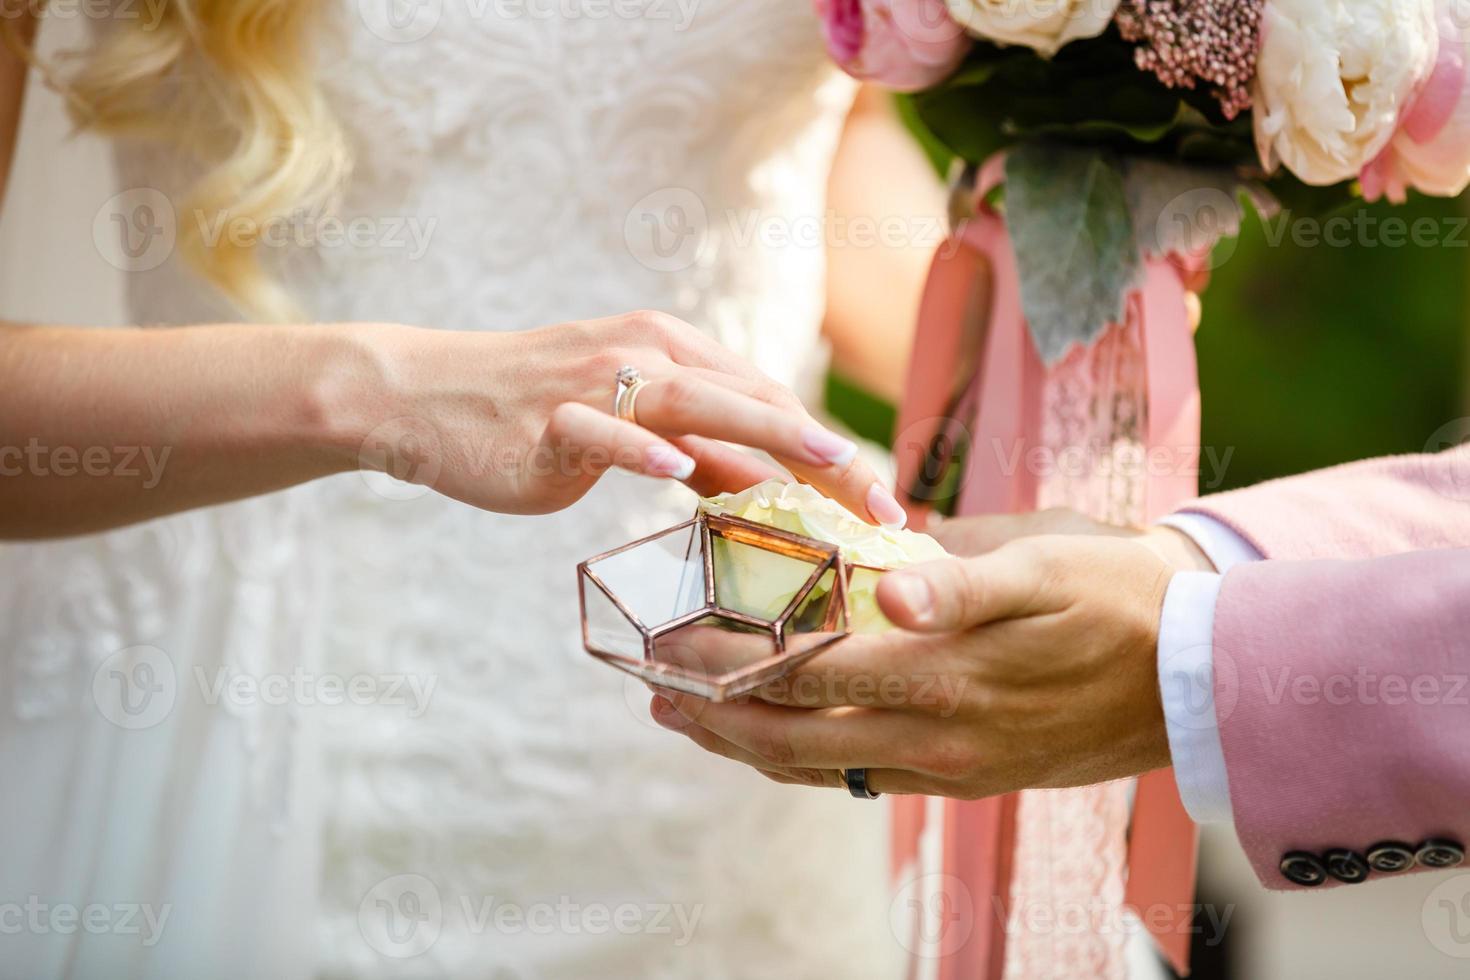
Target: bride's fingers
<point x="691" y="347"/>
<point x="688" y="404"/>
<point x="877" y="503"/>
<point x="719" y="468"/>
<point x="758" y="387"/>
<point x="685" y="403"/>
<point x="580" y="443"/>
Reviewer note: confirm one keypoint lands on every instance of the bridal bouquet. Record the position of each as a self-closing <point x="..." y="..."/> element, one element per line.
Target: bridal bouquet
<point x="1146" y="115"/>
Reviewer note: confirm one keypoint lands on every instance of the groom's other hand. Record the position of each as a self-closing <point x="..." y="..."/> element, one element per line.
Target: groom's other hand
<point x="967" y="536"/>
<point x="1031" y="665"/>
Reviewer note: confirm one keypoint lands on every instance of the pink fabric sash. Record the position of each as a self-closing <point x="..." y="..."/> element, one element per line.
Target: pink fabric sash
<point x="1004" y="409"/>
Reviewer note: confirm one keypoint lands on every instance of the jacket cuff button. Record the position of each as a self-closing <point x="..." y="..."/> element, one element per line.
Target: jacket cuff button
<point x="1346" y="866"/>
<point x="1440" y="853"/>
<point x="1391" y="856"/>
<point x="1301" y="868"/>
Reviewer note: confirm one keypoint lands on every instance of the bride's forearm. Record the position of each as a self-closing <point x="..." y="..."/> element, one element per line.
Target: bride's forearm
<point x="102" y="428"/>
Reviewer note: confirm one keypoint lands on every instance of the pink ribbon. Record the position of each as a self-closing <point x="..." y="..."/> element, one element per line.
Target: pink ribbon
<point x="1004" y="410"/>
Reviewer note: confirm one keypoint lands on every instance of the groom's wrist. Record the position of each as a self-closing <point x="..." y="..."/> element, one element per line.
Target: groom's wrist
<point x="1178" y="549"/>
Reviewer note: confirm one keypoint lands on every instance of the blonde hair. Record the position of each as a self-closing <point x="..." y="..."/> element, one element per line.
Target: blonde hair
<point x="230" y="82"/>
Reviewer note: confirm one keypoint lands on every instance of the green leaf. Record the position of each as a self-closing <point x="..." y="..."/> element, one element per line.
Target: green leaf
<point x="1067" y="212"/>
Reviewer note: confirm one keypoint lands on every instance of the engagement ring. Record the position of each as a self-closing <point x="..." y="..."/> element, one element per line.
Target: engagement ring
<point x="625" y="404"/>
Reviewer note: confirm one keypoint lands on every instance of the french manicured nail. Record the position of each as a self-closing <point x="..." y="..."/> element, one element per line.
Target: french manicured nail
<point x="663" y="461"/>
<point x="885" y="508"/>
<point x="916" y="594"/>
<point x="828" y="447"/>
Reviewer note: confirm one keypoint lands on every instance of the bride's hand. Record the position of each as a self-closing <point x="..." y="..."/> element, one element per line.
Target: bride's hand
<point x="522" y="422"/>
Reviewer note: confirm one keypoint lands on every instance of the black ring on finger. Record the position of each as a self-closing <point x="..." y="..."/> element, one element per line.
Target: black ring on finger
<point x="856" y="781"/>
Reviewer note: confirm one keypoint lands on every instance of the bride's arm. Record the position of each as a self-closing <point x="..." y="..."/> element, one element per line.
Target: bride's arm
<point x="106" y="427"/>
<point x="880" y="181"/>
<point x="100" y="428"/>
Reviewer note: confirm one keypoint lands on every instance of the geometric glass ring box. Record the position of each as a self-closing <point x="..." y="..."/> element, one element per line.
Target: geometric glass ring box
<point x="716" y="606"/>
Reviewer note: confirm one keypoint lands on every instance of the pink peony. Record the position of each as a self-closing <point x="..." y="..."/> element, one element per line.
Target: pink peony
<point x="904" y="45"/>
<point x="1430" y="150"/>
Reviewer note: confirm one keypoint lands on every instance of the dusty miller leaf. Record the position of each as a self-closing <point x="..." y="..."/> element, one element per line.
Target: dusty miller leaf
<point x="1070" y="225"/>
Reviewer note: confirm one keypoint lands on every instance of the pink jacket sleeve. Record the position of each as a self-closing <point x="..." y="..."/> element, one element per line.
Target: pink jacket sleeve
<point x="1342" y="687"/>
<point x="1343" y="695"/>
<point x="1361" y="510"/>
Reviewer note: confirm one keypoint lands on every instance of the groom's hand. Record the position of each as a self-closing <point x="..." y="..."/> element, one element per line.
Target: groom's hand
<point x="1033" y="665"/>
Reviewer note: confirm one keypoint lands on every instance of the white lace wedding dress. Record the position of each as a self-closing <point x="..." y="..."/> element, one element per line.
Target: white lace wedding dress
<point x="528" y="821"/>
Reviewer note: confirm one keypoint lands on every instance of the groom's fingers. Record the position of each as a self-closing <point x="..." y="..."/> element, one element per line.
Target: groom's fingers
<point x="716" y="745"/>
<point x="885" y="782"/>
<point x="880" y="780"/>
<point x="898" y="782"/>
<point x="962" y="593"/>
<point x="792" y="738"/>
<point x="894" y="671"/>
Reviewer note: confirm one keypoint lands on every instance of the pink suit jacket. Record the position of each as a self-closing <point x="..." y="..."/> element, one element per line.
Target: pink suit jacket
<point x="1342" y="670"/>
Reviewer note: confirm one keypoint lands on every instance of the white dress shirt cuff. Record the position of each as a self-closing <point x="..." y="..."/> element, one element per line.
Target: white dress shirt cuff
<point x="1221" y="545"/>
<point x="1187" y="686"/>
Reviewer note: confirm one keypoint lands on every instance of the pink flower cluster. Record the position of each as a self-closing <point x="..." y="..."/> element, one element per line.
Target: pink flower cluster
<point x="1189" y="41"/>
<point x="1284" y="60"/>
<point x="904" y="45"/>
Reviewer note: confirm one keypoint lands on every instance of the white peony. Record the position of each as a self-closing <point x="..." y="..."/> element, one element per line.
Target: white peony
<point x="1332" y="79"/>
<point x="802" y="510"/>
<point x="1045" y="25"/>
